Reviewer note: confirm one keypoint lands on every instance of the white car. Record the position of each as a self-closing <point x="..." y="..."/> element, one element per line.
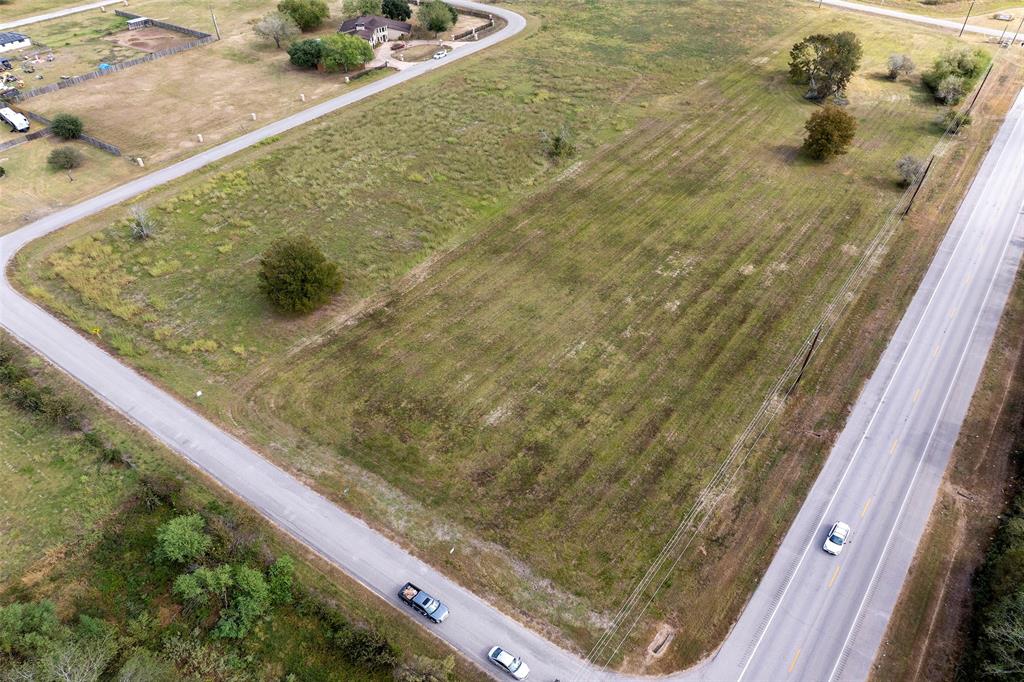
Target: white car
<point x="509" y="663"/>
<point x="838" y="536"/>
<point x="440" y="54"/>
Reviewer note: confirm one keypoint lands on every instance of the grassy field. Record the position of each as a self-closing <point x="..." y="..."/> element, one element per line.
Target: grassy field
<point x="544" y="355"/>
<point x="78" y="530"/>
<point x="16" y="9"/>
<point x="157" y="110"/>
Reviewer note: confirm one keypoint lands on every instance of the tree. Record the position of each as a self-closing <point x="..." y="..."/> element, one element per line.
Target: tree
<point x="825" y="62"/>
<point x="182" y="539"/>
<point x="436" y="16"/>
<point x="398" y="10"/>
<point x="366" y="647"/>
<point x="305" y="53"/>
<point x="250" y="600"/>
<point x="307" y="14"/>
<point x="140" y="223"/>
<point x="830" y="131"/>
<point x="296" y="277"/>
<point x="900" y="64"/>
<point x="276" y="26"/>
<point x="344" y="51"/>
<point x="26" y="629"/>
<point x="910" y="169"/>
<point x="358" y="8"/>
<point x="66" y="126"/>
<point x="64" y="158"/>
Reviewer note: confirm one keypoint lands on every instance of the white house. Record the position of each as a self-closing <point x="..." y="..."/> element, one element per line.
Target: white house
<point x="13" y="41"/>
<point x="376" y="30"/>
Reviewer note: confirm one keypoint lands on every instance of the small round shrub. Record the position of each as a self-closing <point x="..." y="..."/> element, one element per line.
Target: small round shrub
<point x="296" y="277"/>
<point x="64" y="158"/>
<point x="66" y="126"/>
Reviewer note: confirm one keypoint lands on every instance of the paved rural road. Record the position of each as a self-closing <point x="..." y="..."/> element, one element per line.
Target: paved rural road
<point x="813" y="617"/>
<point x="7" y="25"/>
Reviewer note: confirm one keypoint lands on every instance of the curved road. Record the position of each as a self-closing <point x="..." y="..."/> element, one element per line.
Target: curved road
<point x="813" y="617"/>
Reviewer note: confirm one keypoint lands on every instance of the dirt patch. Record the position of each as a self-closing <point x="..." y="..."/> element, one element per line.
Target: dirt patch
<point x="149" y="39"/>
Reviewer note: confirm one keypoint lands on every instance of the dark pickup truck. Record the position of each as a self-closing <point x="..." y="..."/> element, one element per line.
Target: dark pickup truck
<point x="423" y="602"/>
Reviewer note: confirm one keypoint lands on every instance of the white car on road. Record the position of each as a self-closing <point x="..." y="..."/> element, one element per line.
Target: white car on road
<point x="440" y="54"/>
<point x="838" y="536"/>
<point x="509" y="663"/>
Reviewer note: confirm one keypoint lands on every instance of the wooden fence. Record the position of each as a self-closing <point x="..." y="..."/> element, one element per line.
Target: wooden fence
<point x="26" y="138"/>
<point x="88" y="139"/>
<point x="200" y="39"/>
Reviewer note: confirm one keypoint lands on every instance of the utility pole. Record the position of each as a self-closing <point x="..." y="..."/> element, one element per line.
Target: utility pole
<point x="216" y="28"/>
<point x="1017" y="33"/>
<point x="964" y="27"/>
<point x="1003" y="34"/>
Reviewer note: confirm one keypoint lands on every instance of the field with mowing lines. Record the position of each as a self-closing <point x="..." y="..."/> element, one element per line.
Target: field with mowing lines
<point x="538" y="365"/>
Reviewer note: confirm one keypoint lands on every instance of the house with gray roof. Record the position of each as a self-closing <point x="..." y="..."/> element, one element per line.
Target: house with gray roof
<point x="376" y="30"/>
<point x="13" y="41"/>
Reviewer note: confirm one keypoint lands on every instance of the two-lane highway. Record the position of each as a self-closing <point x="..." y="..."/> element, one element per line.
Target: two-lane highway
<point x="819" y="617"/>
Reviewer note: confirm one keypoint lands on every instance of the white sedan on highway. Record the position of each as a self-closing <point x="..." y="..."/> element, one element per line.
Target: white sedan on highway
<point x="509" y="663"/>
<point x="838" y="536"/>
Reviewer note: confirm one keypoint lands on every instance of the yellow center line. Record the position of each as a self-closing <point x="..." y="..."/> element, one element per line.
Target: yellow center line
<point x="935" y="351"/>
<point x="834" y="576"/>
<point x="865" y="509"/>
<point x="795" y="659"/>
<point x="892" y="448"/>
<point x="953" y="312"/>
<point x="917" y="394"/>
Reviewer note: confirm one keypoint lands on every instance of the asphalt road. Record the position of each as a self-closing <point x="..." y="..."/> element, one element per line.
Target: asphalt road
<point x="813" y="617"/>
<point x="7" y="25"/>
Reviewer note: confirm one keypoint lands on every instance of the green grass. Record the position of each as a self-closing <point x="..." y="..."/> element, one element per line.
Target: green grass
<point x="54" y="493"/>
<point x="80" y="531"/>
<point x="601" y="331"/>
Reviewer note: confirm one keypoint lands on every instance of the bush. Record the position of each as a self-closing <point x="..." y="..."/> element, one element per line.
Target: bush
<point x="296" y="277"/>
<point x="953" y="121"/>
<point x="307" y="14"/>
<point x="954" y="75"/>
<point x="140" y="223"/>
<point x="900" y="64"/>
<point x="366" y="647"/>
<point x="437" y="16"/>
<point x="910" y="170"/>
<point x="64" y="158"/>
<point x="280" y="578"/>
<point x="398" y="10"/>
<point x="182" y="540"/>
<point x="305" y="53"/>
<point x="560" y="145"/>
<point x="830" y="132"/>
<point x="66" y="126"/>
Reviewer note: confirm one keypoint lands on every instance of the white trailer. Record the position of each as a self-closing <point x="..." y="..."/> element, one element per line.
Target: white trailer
<point x="18" y="122"/>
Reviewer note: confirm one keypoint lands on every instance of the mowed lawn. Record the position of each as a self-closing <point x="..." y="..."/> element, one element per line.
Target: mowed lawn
<point x="553" y="357"/>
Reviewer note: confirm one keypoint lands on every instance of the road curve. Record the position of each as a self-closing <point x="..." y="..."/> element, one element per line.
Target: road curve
<point x="812" y="617"/>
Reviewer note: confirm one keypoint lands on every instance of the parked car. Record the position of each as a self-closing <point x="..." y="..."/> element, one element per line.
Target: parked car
<point x="509" y="663"/>
<point x="397" y="46"/>
<point x="440" y="54"/>
<point x="838" y="536"/>
<point x="423" y="602"/>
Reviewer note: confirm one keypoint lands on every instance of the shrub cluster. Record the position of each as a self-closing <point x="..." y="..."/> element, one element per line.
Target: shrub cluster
<point x="296" y="277"/>
<point x="66" y="126"/>
<point x="955" y="74"/>
<point x="996" y="647"/>
<point x="64" y="158"/>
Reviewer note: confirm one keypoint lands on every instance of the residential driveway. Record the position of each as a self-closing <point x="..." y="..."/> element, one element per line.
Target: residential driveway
<point x="383" y="54"/>
<point x="813" y="617"/>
